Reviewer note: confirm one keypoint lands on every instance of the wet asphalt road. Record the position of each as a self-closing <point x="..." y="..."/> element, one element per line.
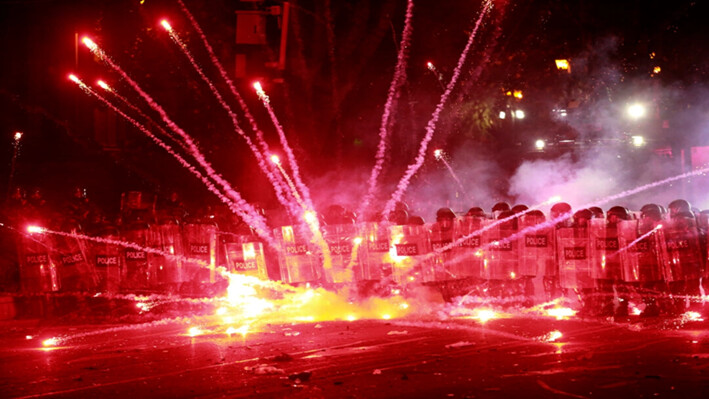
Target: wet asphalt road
<point x="458" y="358"/>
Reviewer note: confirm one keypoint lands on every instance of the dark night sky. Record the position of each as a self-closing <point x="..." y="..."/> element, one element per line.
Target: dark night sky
<point x="611" y="41"/>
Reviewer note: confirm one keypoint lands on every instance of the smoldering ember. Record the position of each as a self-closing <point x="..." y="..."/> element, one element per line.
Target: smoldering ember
<point x="354" y="198"/>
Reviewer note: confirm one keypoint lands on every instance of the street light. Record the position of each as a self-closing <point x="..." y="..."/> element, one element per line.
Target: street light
<point x="636" y="111"/>
<point x="519" y="114"/>
<point x="563" y="65"/>
<point x="503" y="114"/>
<point x="638" y="141"/>
<point x="540" y="144"/>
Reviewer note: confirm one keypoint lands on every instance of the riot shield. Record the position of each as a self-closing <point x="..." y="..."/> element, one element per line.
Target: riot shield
<point x="639" y="256"/>
<point x="168" y="270"/>
<point x="136" y="271"/>
<point x="680" y="246"/>
<point x="297" y="258"/>
<point x="377" y="262"/>
<point x="343" y="243"/>
<point x="604" y="246"/>
<point x="501" y="256"/>
<point x="38" y="271"/>
<point x="411" y="246"/>
<point x="469" y="238"/>
<point x="107" y="260"/>
<point x="75" y="271"/>
<point x="573" y="254"/>
<point x="200" y="247"/>
<point x="537" y="249"/>
<point x="246" y="258"/>
<point x="444" y="261"/>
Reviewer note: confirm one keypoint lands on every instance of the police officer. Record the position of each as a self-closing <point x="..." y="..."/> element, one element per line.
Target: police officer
<point x="607" y="267"/>
<point x="684" y="251"/>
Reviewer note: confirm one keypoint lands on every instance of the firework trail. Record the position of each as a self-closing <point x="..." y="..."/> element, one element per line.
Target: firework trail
<point x="242" y="204"/>
<point x="437" y="74"/>
<point x="439" y="156"/>
<point x="276" y="160"/>
<point x="225" y="76"/>
<point x="259" y="156"/>
<point x="286" y="147"/>
<point x="431" y="126"/>
<point x="254" y="220"/>
<point x="392" y="96"/>
<point x="15" y="154"/>
<point x="142" y="114"/>
<point x="215" y="61"/>
<point x="635" y="241"/>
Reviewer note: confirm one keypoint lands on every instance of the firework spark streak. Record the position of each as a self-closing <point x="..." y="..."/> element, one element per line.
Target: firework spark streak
<point x="210" y="186"/>
<point x="265" y="149"/>
<point x="392" y="96"/>
<point x="142" y="114"/>
<point x="635" y="241"/>
<point x="15" y="154"/>
<point x="431" y="126"/>
<point x="442" y="158"/>
<point x="225" y="76"/>
<point x="284" y="143"/>
<point x="277" y="162"/>
<point x="259" y="156"/>
<point x="253" y="216"/>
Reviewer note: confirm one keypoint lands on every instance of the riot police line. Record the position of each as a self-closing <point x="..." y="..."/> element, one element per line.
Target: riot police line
<point x="602" y="259"/>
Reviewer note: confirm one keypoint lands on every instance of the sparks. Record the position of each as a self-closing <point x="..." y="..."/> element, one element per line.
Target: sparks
<point x="18" y="136"/>
<point x="357" y="240"/>
<point x="438" y="154"/>
<point x="561" y="313"/>
<point x="166" y="25"/>
<point x="243" y="330"/>
<point x="261" y="94"/>
<point x="35" y="229"/>
<point x="89" y="43"/>
<point x="692" y="316"/>
<point x="483" y="315"/>
<point x="553" y="336"/>
<point x="50" y="342"/>
<point x="103" y="85"/>
<point x="194" y="331"/>
<point x="276" y="159"/>
<point x="310" y="217"/>
<point x="552" y="200"/>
